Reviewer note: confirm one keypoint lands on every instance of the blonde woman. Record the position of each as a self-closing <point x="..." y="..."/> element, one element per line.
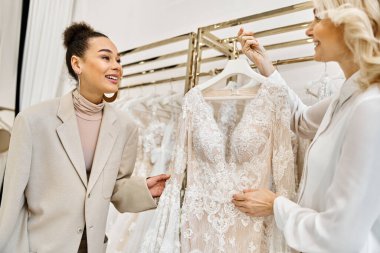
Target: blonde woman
<point x="338" y="209"/>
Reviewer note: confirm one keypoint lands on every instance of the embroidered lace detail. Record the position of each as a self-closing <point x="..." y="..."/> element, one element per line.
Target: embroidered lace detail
<point x="226" y="147"/>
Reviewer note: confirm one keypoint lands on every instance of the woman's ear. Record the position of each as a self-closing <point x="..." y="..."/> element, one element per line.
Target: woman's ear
<point x="76" y="64"/>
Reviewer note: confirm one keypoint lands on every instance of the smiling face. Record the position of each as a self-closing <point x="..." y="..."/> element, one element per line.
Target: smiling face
<point x="100" y="69"/>
<point x="328" y="40"/>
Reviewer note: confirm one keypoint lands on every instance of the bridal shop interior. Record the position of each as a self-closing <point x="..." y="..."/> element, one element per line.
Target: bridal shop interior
<point x="167" y="47"/>
<point x="134" y="24"/>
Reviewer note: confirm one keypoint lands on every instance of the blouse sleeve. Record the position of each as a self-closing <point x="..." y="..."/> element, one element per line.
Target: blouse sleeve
<point x="305" y="120"/>
<point x="164" y="232"/>
<point x="352" y="200"/>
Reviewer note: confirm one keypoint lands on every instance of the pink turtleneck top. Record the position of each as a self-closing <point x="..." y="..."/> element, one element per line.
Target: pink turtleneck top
<point x="89" y="118"/>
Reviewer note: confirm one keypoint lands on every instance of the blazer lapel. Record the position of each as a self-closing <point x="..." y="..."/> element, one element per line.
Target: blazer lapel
<point x="107" y="136"/>
<point x="68" y="133"/>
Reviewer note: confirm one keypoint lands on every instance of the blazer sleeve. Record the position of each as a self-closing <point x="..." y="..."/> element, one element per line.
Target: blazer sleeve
<point x="131" y="193"/>
<point x="13" y="210"/>
<point x="305" y="120"/>
<point x="352" y="200"/>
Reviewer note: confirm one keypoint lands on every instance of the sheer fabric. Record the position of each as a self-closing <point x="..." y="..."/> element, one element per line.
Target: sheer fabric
<point x="223" y="148"/>
<point x="155" y="146"/>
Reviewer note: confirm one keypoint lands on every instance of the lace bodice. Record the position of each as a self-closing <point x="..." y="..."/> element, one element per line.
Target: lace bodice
<point x="224" y="148"/>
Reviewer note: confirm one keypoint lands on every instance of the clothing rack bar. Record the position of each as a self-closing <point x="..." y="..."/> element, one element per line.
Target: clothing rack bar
<point x="212" y="41"/>
<point x="156" y="44"/>
<point x="156" y="58"/>
<point x="268" y="47"/>
<point x="190" y="62"/>
<point x="275" y="31"/>
<point x="259" y="16"/>
<point x="293" y="60"/>
<point x="156" y="70"/>
<point x="167" y="80"/>
<point x="275" y="63"/>
<point x="289" y="44"/>
<point x="162" y="81"/>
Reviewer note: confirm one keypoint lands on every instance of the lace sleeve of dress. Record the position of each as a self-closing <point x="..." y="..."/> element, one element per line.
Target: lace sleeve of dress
<point x="305" y="120"/>
<point x="282" y="160"/>
<point x="164" y="232"/>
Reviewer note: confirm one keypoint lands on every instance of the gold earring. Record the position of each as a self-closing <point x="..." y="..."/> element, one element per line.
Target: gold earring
<point x="110" y="99"/>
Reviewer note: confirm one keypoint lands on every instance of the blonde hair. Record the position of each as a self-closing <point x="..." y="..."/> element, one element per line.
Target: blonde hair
<point x="360" y="20"/>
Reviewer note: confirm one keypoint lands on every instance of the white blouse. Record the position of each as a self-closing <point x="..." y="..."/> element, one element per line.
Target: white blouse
<point x="338" y="209"/>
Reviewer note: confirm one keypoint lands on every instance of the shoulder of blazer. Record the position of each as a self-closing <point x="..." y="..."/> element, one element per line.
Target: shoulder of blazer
<point x="41" y="111"/>
<point x="124" y="119"/>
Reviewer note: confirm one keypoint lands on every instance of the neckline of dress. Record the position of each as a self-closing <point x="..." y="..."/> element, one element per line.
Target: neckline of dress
<point x="211" y="109"/>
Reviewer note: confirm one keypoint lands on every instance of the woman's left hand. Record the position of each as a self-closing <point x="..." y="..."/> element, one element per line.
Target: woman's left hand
<point x="255" y="202"/>
<point x="156" y="184"/>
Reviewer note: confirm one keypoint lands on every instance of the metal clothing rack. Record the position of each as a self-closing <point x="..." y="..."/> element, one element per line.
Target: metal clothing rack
<point x="189" y="51"/>
<point x="206" y="40"/>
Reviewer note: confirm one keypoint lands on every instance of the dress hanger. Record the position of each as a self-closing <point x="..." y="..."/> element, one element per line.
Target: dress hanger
<point x="233" y="67"/>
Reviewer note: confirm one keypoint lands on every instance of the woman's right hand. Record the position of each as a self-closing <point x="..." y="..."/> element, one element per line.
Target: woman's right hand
<point x="255" y="52"/>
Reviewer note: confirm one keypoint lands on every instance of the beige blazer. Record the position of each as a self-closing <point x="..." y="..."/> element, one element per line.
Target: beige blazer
<point x="47" y="198"/>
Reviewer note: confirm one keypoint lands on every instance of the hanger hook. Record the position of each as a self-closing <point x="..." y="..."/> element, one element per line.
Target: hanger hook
<point x="235" y="49"/>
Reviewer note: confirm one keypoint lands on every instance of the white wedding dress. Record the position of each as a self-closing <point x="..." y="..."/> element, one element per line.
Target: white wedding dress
<point x="222" y="148"/>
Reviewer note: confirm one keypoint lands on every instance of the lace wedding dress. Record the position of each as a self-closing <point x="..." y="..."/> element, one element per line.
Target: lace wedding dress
<point x="223" y="148"/>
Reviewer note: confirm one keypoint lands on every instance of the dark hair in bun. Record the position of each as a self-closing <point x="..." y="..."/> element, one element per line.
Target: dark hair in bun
<point x="75" y="39"/>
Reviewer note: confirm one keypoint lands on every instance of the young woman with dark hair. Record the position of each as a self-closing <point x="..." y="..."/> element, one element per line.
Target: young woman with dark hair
<point x="71" y="156"/>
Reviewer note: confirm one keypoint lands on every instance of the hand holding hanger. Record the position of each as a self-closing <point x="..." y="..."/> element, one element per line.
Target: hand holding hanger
<point x="255" y="52"/>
